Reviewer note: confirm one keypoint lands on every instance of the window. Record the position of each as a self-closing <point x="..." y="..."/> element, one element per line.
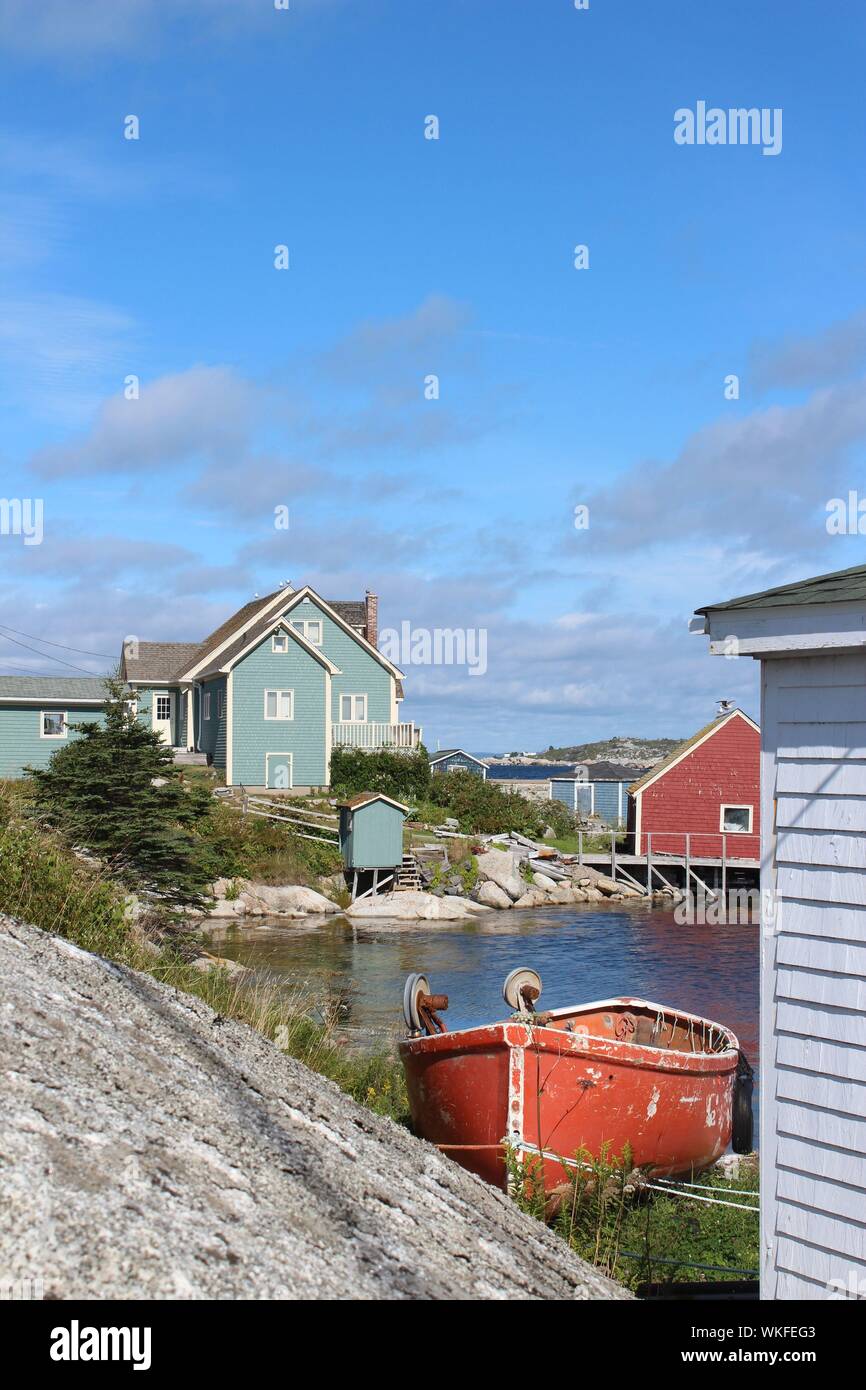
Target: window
<point x="205" y="705"/>
<point x="52" y="724"/>
<point x="279" y="704"/>
<point x="737" y="819"/>
<point x="353" y="709"/>
<point x="311" y="628"/>
<point x="280" y="642"/>
<point x="163" y="707"/>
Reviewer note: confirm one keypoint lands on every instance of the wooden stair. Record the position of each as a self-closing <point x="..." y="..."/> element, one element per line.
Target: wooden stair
<point x="408" y="877"/>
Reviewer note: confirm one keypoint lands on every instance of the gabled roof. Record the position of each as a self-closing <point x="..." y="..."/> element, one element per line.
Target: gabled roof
<point x="677" y="754"/>
<point x="364" y="799"/>
<point x="351" y="611"/>
<point x="449" y="752"/>
<point x="52" y="688"/>
<point x="839" y="587"/>
<point x="157" y="661"/>
<point x="240" y="623"/>
<point x="205" y="657"/>
<point x="251" y="639"/>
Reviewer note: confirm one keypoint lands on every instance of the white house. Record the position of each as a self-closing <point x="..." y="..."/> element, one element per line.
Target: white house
<point x="810" y="638"/>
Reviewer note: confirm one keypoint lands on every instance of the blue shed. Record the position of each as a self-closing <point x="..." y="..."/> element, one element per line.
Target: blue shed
<point x="573" y="792"/>
<point x="371" y="831"/>
<point x="608" y="800"/>
<point x="457" y="760"/>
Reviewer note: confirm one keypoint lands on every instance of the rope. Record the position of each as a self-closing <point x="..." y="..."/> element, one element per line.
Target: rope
<point x="686" y="1264"/>
<point x="694" y="1197"/>
<point x="708" y="1187"/>
<point x="521" y="1145"/>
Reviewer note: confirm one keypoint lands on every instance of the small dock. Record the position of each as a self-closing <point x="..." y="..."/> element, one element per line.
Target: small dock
<point x="710" y="874"/>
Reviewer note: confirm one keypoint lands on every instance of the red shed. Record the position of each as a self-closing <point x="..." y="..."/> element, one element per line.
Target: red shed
<point x="708" y="785"/>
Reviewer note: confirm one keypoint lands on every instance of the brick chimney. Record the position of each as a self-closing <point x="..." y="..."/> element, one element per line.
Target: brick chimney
<point x="372" y="618"/>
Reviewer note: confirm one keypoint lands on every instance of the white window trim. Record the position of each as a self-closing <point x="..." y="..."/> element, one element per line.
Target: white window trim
<point x="280" y="637"/>
<point x="162" y="695"/>
<point x="205" y="706"/>
<point x="346" y="695"/>
<point x="64" y="715"/>
<point x="279" y="718"/>
<point x="736" y="806"/>
<point x="305" y="624"/>
<point x="291" y="767"/>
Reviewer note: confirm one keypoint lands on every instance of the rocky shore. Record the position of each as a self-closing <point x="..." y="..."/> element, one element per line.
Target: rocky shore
<point x="153" y="1149"/>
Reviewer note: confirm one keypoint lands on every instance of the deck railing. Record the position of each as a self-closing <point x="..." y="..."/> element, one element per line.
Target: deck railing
<point x="373" y="736"/>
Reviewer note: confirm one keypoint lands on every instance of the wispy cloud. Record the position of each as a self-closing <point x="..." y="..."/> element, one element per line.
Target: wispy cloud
<point x="815" y="359"/>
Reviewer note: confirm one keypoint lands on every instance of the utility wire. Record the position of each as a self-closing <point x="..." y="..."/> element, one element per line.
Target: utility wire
<point x="48" y="657"/>
<point x="45" y="643"/>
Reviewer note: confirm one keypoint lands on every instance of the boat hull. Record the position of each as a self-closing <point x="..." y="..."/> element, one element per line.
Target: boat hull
<point x="554" y="1091"/>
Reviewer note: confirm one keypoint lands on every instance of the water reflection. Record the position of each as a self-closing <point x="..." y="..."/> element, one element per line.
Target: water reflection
<point x="581" y="953"/>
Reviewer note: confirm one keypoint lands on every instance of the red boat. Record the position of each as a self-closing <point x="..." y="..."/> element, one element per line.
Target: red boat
<point x="616" y="1072"/>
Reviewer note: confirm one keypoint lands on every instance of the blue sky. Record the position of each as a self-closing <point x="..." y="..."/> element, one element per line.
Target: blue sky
<point x="408" y="256"/>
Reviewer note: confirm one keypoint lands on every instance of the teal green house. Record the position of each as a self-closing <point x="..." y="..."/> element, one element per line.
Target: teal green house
<point x="265" y="697"/>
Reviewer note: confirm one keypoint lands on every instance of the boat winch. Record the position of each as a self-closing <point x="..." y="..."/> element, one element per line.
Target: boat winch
<point x="522" y="989"/>
<point x="421" y="1009"/>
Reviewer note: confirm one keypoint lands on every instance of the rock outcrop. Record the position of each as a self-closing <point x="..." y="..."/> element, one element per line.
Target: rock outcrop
<point x="415" y="906"/>
<point x="152" y="1149"/>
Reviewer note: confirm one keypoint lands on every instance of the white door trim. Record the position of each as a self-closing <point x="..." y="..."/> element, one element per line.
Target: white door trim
<point x="159" y="724"/>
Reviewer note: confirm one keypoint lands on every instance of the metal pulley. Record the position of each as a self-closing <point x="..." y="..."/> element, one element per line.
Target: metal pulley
<point x="421" y="1008"/>
<point x="522" y="989"/>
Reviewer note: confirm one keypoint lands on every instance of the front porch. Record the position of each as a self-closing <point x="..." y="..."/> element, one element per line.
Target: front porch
<point x="375" y="736"/>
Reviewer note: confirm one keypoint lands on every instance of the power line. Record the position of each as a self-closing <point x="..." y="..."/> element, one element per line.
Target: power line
<point x="48" y="657"/>
<point x="45" y="643"/>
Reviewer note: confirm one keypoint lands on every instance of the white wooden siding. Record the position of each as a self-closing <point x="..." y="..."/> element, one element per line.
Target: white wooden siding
<point x="813" y="1007"/>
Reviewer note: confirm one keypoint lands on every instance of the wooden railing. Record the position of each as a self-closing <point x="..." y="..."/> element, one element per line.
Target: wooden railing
<point x="375" y="735"/>
<point x="325" y="826"/>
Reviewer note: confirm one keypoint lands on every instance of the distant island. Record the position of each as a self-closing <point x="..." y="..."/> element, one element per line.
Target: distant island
<point x="620" y="750"/>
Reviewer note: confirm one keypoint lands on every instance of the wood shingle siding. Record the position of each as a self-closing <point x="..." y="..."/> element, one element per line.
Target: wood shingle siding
<point x="361" y="672"/>
<point x="212" y="731"/>
<point x="303" y="736"/>
<point x="20" y="741"/>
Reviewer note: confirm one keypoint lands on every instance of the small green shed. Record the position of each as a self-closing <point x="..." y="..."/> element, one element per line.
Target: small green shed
<point x="371" y="831"/>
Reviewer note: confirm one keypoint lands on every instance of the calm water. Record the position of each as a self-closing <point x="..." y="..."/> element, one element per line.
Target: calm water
<point x="582" y="953"/>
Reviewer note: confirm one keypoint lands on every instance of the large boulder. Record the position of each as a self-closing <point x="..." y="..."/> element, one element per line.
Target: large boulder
<point x="497" y="867"/>
<point x="283" y="900"/>
<point x="492" y="895"/>
<point x="542" y="881"/>
<point x="153" y="1150"/>
<point x="533" y="897"/>
<point x="416" y="907"/>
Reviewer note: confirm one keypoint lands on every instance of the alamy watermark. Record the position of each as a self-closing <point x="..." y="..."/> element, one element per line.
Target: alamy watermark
<point x="439" y="646"/>
<point x="846" y="516"/>
<point x="21" y="1290"/>
<point x="22" y="516"/>
<point x="739" y="125"/>
<point x="736" y="906"/>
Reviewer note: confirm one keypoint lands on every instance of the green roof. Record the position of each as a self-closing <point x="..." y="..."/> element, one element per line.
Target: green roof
<point x="842" y="586"/>
<point x="52" y="688"/>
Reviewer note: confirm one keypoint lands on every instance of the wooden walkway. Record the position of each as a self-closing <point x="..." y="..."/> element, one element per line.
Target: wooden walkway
<point x="655" y="867"/>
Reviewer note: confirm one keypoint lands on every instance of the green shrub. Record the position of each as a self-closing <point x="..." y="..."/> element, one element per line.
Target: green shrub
<point x="403" y="775"/>
<point x="116" y="791"/>
<point x="265" y="850"/>
<point x="485" y="808"/>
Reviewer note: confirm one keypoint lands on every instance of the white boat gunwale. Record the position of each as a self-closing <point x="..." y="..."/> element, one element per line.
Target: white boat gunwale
<point x="732" y="1049"/>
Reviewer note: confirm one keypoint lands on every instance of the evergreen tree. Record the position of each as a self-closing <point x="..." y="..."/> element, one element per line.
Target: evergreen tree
<point x="116" y="791"/>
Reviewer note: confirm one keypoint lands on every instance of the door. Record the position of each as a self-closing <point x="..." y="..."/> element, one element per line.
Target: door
<point x="278" y="771"/>
<point x="163" y="715"/>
